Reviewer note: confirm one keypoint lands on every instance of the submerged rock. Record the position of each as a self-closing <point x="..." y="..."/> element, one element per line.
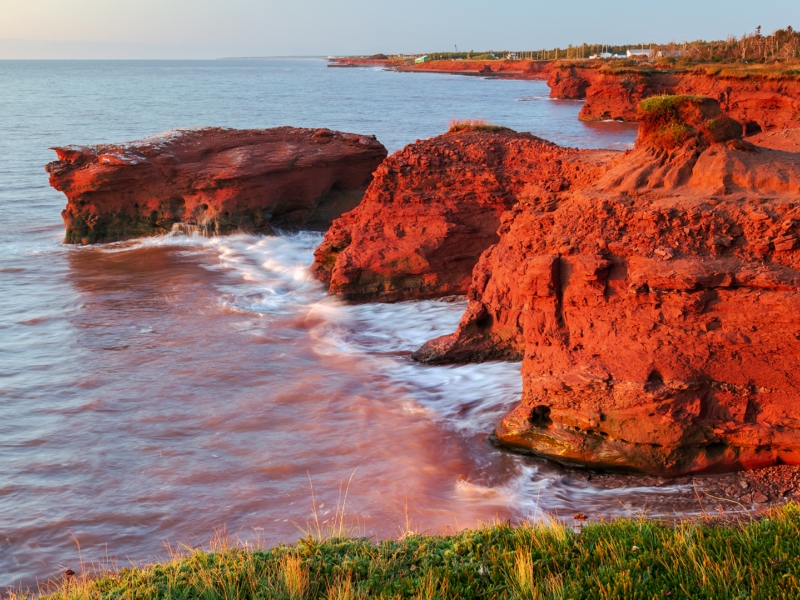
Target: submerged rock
<point x="219" y="180"/>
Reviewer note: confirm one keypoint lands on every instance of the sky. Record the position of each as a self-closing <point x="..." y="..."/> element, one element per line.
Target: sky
<point x="199" y="29"/>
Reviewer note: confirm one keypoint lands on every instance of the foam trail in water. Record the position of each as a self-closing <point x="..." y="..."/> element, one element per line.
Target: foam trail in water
<point x="466" y="399"/>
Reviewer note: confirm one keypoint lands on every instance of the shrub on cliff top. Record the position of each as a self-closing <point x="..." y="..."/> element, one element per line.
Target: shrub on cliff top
<point x="457" y="125"/>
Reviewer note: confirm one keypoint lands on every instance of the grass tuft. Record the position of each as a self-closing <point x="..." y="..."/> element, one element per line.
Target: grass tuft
<point x="476" y="125"/>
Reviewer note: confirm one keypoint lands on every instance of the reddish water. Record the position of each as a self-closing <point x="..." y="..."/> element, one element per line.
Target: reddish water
<point x="153" y="391"/>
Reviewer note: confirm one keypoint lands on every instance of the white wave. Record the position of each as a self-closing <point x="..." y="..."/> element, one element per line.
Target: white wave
<point x="467" y="400"/>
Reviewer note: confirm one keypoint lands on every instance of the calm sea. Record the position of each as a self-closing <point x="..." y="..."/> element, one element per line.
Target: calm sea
<point x="155" y="391"/>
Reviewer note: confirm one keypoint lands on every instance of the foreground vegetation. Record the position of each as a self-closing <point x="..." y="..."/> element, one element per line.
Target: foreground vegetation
<point x="629" y="559"/>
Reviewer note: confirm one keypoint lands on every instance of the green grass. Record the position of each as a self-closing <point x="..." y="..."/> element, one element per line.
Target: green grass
<point x="667" y="107"/>
<point x="613" y="69"/>
<point x="630" y="559"/>
<point x="665" y="120"/>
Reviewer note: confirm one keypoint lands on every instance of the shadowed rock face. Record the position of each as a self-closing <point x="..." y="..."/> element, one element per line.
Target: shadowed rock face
<point x="656" y="310"/>
<point x="220" y="180"/>
<point x="435" y="206"/>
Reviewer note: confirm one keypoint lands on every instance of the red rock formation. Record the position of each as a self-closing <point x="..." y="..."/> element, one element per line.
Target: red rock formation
<point x="506" y="69"/>
<point x="759" y="102"/>
<point x="435" y="206"/>
<point x="221" y="180"/>
<point x="657" y="311"/>
<point x="570" y="81"/>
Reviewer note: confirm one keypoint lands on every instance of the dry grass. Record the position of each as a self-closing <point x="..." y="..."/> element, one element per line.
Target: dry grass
<point x="457" y="125"/>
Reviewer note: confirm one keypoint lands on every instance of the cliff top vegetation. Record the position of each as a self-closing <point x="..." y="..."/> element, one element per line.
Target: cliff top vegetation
<point x="782" y="45"/>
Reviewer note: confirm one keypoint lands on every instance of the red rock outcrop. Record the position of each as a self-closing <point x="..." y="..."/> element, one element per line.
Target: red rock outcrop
<point x="761" y="103"/>
<point x="435" y="206"/>
<point x="656" y="311"/>
<point x="570" y="81"/>
<point x="221" y="180"/>
<point x="506" y="69"/>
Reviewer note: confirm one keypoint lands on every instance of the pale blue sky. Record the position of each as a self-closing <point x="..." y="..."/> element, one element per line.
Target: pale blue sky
<point x="216" y="28"/>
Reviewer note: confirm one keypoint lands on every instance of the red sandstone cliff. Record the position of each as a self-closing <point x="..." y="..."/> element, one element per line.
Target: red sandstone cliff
<point x="656" y="310"/>
<point x="569" y="81"/>
<point x="507" y="69"/>
<point x="759" y="102"/>
<point x="219" y="179"/>
<point x="435" y="206"/>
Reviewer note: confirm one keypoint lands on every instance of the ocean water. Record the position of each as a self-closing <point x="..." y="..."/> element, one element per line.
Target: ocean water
<point x="153" y="392"/>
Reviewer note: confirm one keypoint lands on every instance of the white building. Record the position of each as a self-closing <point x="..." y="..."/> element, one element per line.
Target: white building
<point x="638" y="54"/>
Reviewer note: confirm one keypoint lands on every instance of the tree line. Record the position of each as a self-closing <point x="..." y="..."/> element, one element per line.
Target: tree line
<point x="755" y="47"/>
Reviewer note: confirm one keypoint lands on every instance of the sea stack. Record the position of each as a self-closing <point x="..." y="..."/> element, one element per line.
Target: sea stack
<point x="218" y="180"/>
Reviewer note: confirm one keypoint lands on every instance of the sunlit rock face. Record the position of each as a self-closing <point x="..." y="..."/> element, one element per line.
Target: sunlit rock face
<point x="656" y="310"/>
<point x="760" y="103"/>
<point x="218" y="180"/>
<point x="436" y="205"/>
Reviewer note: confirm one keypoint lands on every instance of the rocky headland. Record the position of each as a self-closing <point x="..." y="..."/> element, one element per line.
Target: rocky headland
<point x="759" y="98"/>
<point x="504" y="69"/>
<point x="652" y="295"/>
<point x="436" y="205"/>
<point x="219" y="180"/>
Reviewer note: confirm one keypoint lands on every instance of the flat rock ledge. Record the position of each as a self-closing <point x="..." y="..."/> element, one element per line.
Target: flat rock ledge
<point x="212" y="179"/>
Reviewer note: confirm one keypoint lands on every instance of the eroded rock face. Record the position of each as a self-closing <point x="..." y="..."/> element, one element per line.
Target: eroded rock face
<point x="435" y="206"/>
<point x="570" y="82"/>
<point x="221" y="180"/>
<point x="658" y="318"/>
<point x="760" y="104"/>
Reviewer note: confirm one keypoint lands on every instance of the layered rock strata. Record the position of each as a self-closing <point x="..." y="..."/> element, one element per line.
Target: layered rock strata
<point x="219" y="180"/>
<point x="656" y="310"/>
<point x="435" y="206"/>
